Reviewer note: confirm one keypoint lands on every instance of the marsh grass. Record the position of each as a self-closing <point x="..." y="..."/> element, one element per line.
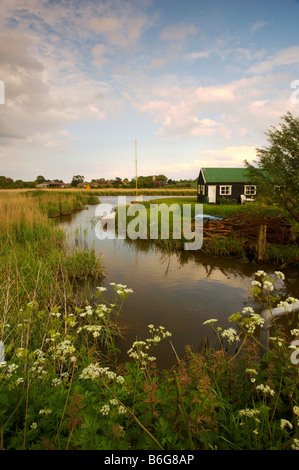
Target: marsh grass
<point x="61" y="387"/>
<point x="224" y="245"/>
<point x="35" y="264"/>
<point x="57" y="203"/>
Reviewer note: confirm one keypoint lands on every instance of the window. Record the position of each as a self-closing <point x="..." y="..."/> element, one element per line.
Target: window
<point x="201" y="189"/>
<point x="225" y="190"/>
<point x="249" y="190"/>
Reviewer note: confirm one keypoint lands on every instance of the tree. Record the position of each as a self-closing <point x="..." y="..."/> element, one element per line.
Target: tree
<point x="77" y="179"/>
<point x="277" y="171"/>
<point x="40" y="179"/>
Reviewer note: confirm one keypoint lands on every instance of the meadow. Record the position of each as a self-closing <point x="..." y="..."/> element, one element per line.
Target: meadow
<point x="62" y="387"/>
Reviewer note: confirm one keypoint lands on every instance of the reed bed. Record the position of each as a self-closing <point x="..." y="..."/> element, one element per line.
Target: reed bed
<point x="35" y="264"/>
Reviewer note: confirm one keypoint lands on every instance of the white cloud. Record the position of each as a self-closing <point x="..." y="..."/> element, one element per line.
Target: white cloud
<point x="120" y="31"/>
<point x="178" y="32"/>
<point x="287" y="56"/>
<point x="99" y="52"/>
<point x="258" y="25"/>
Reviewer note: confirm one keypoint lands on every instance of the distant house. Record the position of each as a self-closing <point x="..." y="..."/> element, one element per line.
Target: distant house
<point x="52" y="184"/>
<point x="227" y="183"/>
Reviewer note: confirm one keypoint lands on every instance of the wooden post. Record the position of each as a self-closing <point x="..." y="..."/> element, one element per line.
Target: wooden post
<point x="261" y="241"/>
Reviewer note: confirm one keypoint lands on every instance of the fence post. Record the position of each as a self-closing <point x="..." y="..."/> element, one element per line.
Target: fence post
<point x="261" y="241"/>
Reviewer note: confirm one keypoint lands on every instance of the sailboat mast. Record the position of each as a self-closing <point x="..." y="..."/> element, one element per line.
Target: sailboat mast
<point x="136" y="163"/>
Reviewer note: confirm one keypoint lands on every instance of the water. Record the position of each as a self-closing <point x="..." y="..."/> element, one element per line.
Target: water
<point x="178" y="291"/>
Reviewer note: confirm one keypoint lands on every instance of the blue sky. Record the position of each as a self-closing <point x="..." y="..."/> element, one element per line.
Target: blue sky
<point x="197" y="83"/>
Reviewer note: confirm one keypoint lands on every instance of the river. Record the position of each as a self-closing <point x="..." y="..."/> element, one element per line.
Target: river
<point x="176" y="290"/>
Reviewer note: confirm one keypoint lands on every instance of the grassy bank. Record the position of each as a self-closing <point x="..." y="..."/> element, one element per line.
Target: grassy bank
<point x="57" y="203"/>
<point x="58" y="391"/>
<point x="35" y="265"/>
<point x="226" y="245"/>
<point x="164" y="191"/>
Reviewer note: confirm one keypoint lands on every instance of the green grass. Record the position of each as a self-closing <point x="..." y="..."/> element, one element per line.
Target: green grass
<point x="225" y="246"/>
<point x="35" y="264"/>
<point x="62" y="387"/>
<point x="57" y="203"/>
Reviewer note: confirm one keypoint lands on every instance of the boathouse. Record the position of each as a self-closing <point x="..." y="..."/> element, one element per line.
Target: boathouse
<point x="215" y="184"/>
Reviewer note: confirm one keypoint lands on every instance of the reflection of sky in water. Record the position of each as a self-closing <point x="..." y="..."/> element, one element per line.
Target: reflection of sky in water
<point x="178" y="292"/>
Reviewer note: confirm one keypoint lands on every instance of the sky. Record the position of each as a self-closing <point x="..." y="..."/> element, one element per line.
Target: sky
<point x="196" y="82"/>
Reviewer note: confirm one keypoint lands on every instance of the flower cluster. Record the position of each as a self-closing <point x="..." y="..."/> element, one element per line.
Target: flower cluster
<point x="64" y="351"/>
<point x="106" y="408"/>
<point x="231" y="335"/>
<point x="94" y="371"/>
<point x="121" y="289"/>
<point x="265" y="389"/>
<point x="249" y="412"/>
<point x="136" y="351"/>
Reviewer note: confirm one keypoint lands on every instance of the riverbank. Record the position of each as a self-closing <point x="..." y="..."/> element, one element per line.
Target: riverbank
<point x="231" y="245"/>
<point x="35" y="265"/>
<point x="63" y="388"/>
<point x="56" y="203"/>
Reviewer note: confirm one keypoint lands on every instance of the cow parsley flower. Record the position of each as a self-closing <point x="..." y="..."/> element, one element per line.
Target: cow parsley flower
<point x="231" y="335"/>
<point x="260" y="273"/>
<point x="211" y="321"/>
<point x="280" y="275"/>
<point x="105" y="410"/>
<point x="265" y="389"/>
<point x="284" y="423"/>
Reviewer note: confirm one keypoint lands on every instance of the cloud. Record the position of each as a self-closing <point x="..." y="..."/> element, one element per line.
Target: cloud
<point x="157" y="63"/>
<point x="37" y="102"/>
<point x="178" y="32"/>
<point x="287" y="56"/>
<point x="230" y="156"/>
<point x="233" y="155"/>
<point x="258" y="25"/>
<point x="119" y="31"/>
<point x="99" y="52"/>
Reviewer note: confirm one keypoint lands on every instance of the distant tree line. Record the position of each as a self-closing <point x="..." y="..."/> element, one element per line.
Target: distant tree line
<point x="152" y="181"/>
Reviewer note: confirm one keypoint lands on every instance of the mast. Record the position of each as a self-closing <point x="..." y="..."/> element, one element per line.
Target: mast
<point x="136" y="163"/>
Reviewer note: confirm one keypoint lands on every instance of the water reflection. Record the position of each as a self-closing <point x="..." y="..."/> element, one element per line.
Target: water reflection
<point x="176" y="290"/>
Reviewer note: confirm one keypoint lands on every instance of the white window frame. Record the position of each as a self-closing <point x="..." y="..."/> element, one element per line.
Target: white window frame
<point x="201" y="189"/>
<point x="225" y="190"/>
<point x="248" y="191"/>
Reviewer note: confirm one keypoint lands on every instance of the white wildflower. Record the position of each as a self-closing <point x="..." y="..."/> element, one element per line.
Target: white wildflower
<point x="260" y="273"/>
<point x="295" y="445"/>
<point x="211" y="321"/>
<point x="268" y="285"/>
<point x="231" y="335"/>
<point x="247" y="310"/>
<point x="256" y="284"/>
<point x="92" y="371"/>
<point x="122" y="410"/>
<point x="113" y="401"/>
<point x="105" y="410"/>
<point x="265" y="389"/>
<point x="46" y="412"/>
<point x="249" y="412"/>
<point x="284" y="423"/>
<point x="280" y="275"/>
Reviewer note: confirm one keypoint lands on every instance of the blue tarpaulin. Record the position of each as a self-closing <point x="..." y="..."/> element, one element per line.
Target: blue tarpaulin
<point x="207" y="216"/>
